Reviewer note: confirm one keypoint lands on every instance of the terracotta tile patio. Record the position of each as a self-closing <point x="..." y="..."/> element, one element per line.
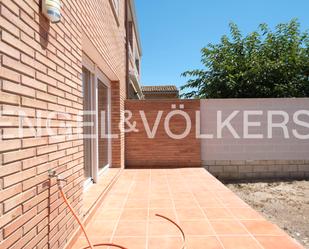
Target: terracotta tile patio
<point x="210" y="214"/>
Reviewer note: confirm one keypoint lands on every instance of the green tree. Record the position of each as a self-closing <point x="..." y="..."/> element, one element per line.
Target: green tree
<point x="263" y="64"/>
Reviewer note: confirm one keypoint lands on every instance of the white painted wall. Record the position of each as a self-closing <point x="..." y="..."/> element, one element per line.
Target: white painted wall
<point x="277" y="148"/>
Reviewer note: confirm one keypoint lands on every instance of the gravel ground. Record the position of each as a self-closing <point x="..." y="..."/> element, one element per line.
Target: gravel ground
<point x="283" y="203"/>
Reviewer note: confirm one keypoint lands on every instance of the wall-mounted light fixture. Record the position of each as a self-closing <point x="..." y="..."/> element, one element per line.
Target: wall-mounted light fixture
<point x="52" y="10"/>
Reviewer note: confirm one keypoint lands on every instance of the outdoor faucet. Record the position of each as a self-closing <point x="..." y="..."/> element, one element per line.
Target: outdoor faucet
<point x="60" y="179"/>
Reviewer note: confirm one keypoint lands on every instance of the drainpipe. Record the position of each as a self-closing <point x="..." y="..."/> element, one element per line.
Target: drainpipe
<point x="127" y="47"/>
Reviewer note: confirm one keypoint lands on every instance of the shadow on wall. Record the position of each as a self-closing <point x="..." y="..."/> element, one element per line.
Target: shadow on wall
<point x="44" y="29"/>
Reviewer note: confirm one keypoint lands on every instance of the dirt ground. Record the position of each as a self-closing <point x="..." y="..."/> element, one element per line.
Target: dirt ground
<point x="284" y="203"/>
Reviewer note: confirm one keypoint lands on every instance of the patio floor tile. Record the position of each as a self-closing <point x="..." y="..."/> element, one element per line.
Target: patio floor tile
<point x="185" y="203"/>
<point x="170" y="213"/>
<point x="82" y="242"/>
<point x="211" y="215"/>
<point x="203" y="242"/>
<point x="108" y="214"/>
<point x="134" y="214"/>
<point x="240" y="242"/>
<point x="131" y="228"/>
<point x="209" y="203"/>
<point x="161" y="203"/>
<point x="262" y="227"/>
<point x="137" y="203"/>
<point x="246" y="214"/>
<point x="282" y="242"/>
<point x="165" y="243"/>
<point x="193" y="213"/>
<point x="218" y="214"/>
<point x="228" y="227"/>
<point x="162" y="228"/>
<point x="197" y="228"/>
<point x="130" y="242"/>
<point x="99" y="228"/>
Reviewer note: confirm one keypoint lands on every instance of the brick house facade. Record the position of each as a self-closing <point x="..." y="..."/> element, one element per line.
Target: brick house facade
<point x="49" y="75"/>
<point x="42" y="70"/>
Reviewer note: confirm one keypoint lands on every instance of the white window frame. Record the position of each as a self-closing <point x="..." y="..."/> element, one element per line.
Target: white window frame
<point x="116" y="4"/>
<point x="104" y="80"/>
<point x="116" y="9"/>
<point x="89" y="180"/>
<point x="96" y="74"/>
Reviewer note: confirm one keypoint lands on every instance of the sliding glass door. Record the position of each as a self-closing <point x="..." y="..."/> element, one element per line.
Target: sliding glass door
<point x="104" y="125"/>
<point x="87" y="130"/>
<point x="96" y="129"/>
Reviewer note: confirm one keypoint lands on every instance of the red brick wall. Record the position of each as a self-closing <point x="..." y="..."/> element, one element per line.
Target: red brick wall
<point x="116" y="113"/>
<point x="107" y="33"/>
<point x="40" y="71"/>
<point x="163" y="151"/>
<point x="161" y="95"/>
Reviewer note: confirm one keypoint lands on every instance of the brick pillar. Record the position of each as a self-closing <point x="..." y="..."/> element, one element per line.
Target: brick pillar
<point x="116" y="110"/>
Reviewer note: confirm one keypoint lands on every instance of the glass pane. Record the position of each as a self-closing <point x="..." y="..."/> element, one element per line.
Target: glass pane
<point x="103" y="124"/>
<point x="87" y="118"/>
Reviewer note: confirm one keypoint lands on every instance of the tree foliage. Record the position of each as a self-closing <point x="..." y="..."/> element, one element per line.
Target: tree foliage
<point x="263" y="64"/>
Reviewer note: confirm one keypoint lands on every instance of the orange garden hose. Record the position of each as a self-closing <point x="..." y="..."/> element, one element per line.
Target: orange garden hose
<point x="179" y="228"/>
<point x="92" y="246"/>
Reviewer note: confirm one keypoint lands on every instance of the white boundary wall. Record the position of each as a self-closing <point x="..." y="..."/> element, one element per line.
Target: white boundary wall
<point x="231" y="157"/>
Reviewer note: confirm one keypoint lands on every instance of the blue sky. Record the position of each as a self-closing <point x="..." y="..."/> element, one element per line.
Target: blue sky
<point x="174" y="31"/>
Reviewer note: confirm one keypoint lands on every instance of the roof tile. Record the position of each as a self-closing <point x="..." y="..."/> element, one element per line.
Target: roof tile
<point x="166" y="88"/>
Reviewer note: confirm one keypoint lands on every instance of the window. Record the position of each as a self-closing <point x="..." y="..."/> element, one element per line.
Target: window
<point x="131" y="34"/>
<point x="87" y="82"/>
<point x="116" y="5"/>
<point x="103" y="121"/>
<point x="97" y="145"/>
<point x="116" y="9"/>
<point x="137" y="65"/>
